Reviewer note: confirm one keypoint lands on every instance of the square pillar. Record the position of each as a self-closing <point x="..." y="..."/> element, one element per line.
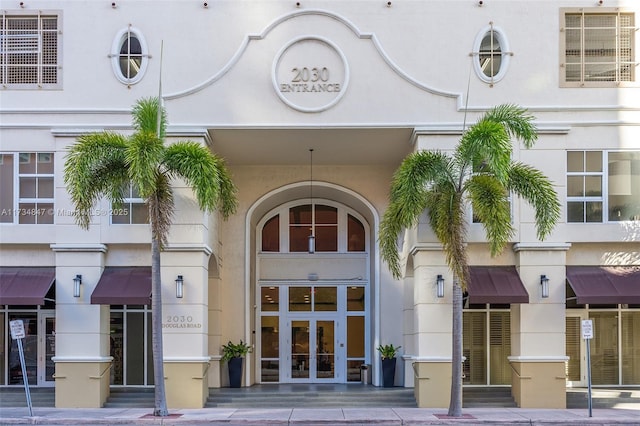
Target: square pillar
<point x="432" y="325"/>
<point x="185" y="325"/>
<point x="538" y="329"/>
<point x="82" y="360"/>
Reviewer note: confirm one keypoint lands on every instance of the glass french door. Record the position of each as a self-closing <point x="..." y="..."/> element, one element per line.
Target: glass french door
<point x="47" y="348"/>
<point x="39" y="348"/>
<point x="312" y="333"/>
<point x="575" y="348"/>
<point x="313" y="350"/>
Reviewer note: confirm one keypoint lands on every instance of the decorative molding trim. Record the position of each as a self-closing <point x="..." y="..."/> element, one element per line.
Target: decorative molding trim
<point x="425" y="247"/>
<point x="79" y="247"/>
<point x="541" y="247"/>
<point x="188" y="248"/>
<point x="319" y="12"/>
<point x="175" y="132"/>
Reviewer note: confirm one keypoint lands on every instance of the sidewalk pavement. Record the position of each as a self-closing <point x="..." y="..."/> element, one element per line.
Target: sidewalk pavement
<point x="320" y="416"/>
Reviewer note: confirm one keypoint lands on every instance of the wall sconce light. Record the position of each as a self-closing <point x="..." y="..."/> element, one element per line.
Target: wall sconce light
<point x="440" y="286"/>
<point x="544" y="282"/>
<point x="179" y="287"/>
<point x="77" y="280"/>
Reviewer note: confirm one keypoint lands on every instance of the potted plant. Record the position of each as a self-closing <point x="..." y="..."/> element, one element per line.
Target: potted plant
<point x="233" y="354"/>
<point x="388" y="357"/>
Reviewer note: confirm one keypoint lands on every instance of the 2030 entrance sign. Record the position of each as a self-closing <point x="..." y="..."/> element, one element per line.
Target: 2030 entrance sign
<point x="310" y="74"/>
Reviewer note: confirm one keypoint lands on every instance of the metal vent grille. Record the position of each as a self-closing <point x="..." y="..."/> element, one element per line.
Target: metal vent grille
<point x="29" y="50"/>
<point x="599" y="47"/>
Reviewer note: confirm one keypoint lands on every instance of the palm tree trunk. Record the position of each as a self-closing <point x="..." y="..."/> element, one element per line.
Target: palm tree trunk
<point x="156" y="331"/>
<point x="455" y="403"/>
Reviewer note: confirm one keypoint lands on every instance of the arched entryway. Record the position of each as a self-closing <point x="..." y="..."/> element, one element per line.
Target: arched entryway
<point x="315" y="312"/>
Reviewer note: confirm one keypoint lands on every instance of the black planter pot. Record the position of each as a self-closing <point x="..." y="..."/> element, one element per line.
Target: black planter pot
<point x="388" y="372"/>
<point x="235" y="372"/>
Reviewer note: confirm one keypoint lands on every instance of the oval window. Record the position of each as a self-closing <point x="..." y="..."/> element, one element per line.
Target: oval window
<point x="129" y="56"/>
<point x="491" y="53"/>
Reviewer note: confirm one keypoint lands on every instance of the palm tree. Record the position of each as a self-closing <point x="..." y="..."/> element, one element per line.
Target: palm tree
<point x="107" y="164"/>
<point x="480" y="171"/>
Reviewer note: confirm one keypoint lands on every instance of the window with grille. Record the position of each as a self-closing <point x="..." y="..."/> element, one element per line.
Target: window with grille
<point x="29" y="51"/>
<point x="598" y="47"/>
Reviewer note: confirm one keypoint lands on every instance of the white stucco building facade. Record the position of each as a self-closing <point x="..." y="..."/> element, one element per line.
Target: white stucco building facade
<point x="361" y="84"/>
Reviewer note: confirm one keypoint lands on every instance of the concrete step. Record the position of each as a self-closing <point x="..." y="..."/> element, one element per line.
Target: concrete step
<point x="16" y="397"/>
<point x="277" y="397"/>
<point x="604" y="398"/>
<point x="473" y="397"/>
<point x="130" y="398"/>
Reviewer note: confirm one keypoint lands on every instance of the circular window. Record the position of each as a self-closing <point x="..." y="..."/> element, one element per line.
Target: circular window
<point x="129" y="56"/>
<point x="491" y="54"/>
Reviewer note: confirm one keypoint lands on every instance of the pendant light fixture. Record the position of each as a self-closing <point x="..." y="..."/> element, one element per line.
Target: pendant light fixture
<point x="312" y="238"/>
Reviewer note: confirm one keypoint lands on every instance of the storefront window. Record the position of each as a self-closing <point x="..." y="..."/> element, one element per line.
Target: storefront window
<point x="29" y="347"/>
<point x="131" y="346"/>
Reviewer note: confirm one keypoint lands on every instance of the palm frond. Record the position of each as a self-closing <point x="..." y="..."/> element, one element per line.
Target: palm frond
<point x="485" y="146"/>
<point x="144" y="154"/>
<point x="206" y="173"/>
<point x="537" y="189"/>
<point x="145" y="117"/>
<point x="95" y="166"/>
<point x="490" y="204"/>
<point x="447" y="220"/>
<point x="390" y="228"/>
<point x="417" y="171"/>
<point x="517" y="122"/>
<point x="410" y="187"/>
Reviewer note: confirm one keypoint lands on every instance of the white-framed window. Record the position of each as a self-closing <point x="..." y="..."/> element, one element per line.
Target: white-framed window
<point x="129" y="55"/>
<point x="26" y="188"/>
<point x="603" y="186"/>
<point x="585" y="175"/>
<point x="491" y="54"/>
<point x="598" y="47"/>
<point x="132" y="211"/>
<point x="7" y="174"/>
<point x="30" y="53"/>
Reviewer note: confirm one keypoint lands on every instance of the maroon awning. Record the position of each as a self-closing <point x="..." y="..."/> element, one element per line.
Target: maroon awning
<point x="123" y="286"/>
<point x="25" y="285"/>
<point x="496" y="284"/>
<point x="605" y="284"/>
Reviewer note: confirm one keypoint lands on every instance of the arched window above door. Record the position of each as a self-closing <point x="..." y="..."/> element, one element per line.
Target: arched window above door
<point x="335" y="228"/>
